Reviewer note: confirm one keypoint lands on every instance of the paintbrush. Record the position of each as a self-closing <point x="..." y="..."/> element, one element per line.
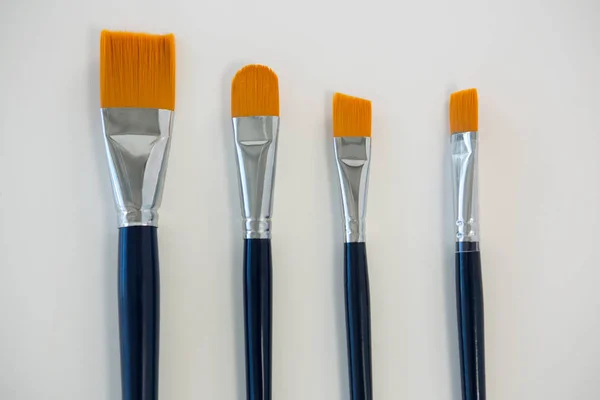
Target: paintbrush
<point x="352" y="147"/>
<point x="255" y="116"/>
<point x="469" y="290"/>
<point x="137" y="99"/>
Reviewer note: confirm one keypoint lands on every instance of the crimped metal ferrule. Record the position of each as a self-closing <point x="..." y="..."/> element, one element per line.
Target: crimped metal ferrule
<point x="353" y="158"/>
<point x="137" y="146"/>
<point x="256" y="154"/>
<point x="465" y="186"/>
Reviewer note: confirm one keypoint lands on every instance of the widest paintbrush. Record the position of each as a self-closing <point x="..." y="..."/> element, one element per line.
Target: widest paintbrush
<point x="137" y="99"/>
<point x="352" y="147"/>
<point x="255" y="116"/>
<point x="469" y="286"/>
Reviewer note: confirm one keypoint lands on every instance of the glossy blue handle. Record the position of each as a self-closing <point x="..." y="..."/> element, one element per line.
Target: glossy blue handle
<point x="258" y="288"/>
<point x="358" y="321"/>
<point x="469" y="304"/>
<point x="139" y="312"/>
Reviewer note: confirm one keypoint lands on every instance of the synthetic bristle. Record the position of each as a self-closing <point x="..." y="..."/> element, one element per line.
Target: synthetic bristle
<point x="351" y="116"/>
<point x="137" y="70"/>
<point x="255" y="92"/>
<point x="464" y="111"/>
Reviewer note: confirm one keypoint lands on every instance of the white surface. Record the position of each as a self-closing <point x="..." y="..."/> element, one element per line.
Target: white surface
<point x="536" y="65"/>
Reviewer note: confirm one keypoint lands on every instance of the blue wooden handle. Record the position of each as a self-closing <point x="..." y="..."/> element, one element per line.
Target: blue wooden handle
<point x="139" y="312"/>
<point x="358" y="321"/>
<point x="258" y="287"/>
<point x="469" y="304"/>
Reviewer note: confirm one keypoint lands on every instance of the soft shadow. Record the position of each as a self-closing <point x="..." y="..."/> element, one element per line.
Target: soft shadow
<point x="109" y="277"/>
<point x="448" y="267"/>
<point x="236" y="271"/>
<point x="338" y="257"/>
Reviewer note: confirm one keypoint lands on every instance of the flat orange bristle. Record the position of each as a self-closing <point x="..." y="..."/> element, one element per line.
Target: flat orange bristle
<point x="255" y="92"/>
<point x="137" y="70"/>
<point x="464" y="111"/>
<point x="351" y="116"/>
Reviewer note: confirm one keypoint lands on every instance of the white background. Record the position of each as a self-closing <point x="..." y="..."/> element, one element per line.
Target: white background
<point x="537" y="67"/>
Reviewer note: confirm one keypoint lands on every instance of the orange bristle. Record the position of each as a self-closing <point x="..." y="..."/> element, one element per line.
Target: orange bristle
<point x="137" y="70"/>
<point x="255" y="92"/>
<point x="464" y="111"/>
<point x="351" y="116"/>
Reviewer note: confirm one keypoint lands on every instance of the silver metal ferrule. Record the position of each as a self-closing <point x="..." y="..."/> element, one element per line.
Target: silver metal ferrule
<point x="465" y="187"/>
<point x="353" y="158"/>
<point x="137" y="146"/>
<point x="256" y="154"/>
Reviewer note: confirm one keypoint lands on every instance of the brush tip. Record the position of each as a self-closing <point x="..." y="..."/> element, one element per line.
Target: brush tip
<point x="464" y="111"/>
<point x="351" y="116"/>
<point x="255" y="92"/>
<point x="137" y="70"/>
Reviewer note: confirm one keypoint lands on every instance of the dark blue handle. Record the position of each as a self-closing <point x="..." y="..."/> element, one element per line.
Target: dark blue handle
<point x="139" y="312"/>
<point x="469" y="304"/>
<point x="258" y="288"/>
<point x="358" y="321"/>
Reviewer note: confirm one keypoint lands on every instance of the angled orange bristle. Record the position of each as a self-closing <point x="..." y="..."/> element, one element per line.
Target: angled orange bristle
<point x="137" y="70"/>
<point x="351" y="116"/>
<point x="255" y="92"/>
<point x="464" y="111"/>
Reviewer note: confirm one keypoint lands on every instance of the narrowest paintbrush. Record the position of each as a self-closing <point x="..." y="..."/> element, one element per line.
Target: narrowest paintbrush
<point x="137" y="99"/>
<point x="352" y="146"/>
<point x="469" y="287"/>
<point x="255" y="116"/>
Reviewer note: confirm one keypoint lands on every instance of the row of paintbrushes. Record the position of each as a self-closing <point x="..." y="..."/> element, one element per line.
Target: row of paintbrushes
<point x="137" y="97"/>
